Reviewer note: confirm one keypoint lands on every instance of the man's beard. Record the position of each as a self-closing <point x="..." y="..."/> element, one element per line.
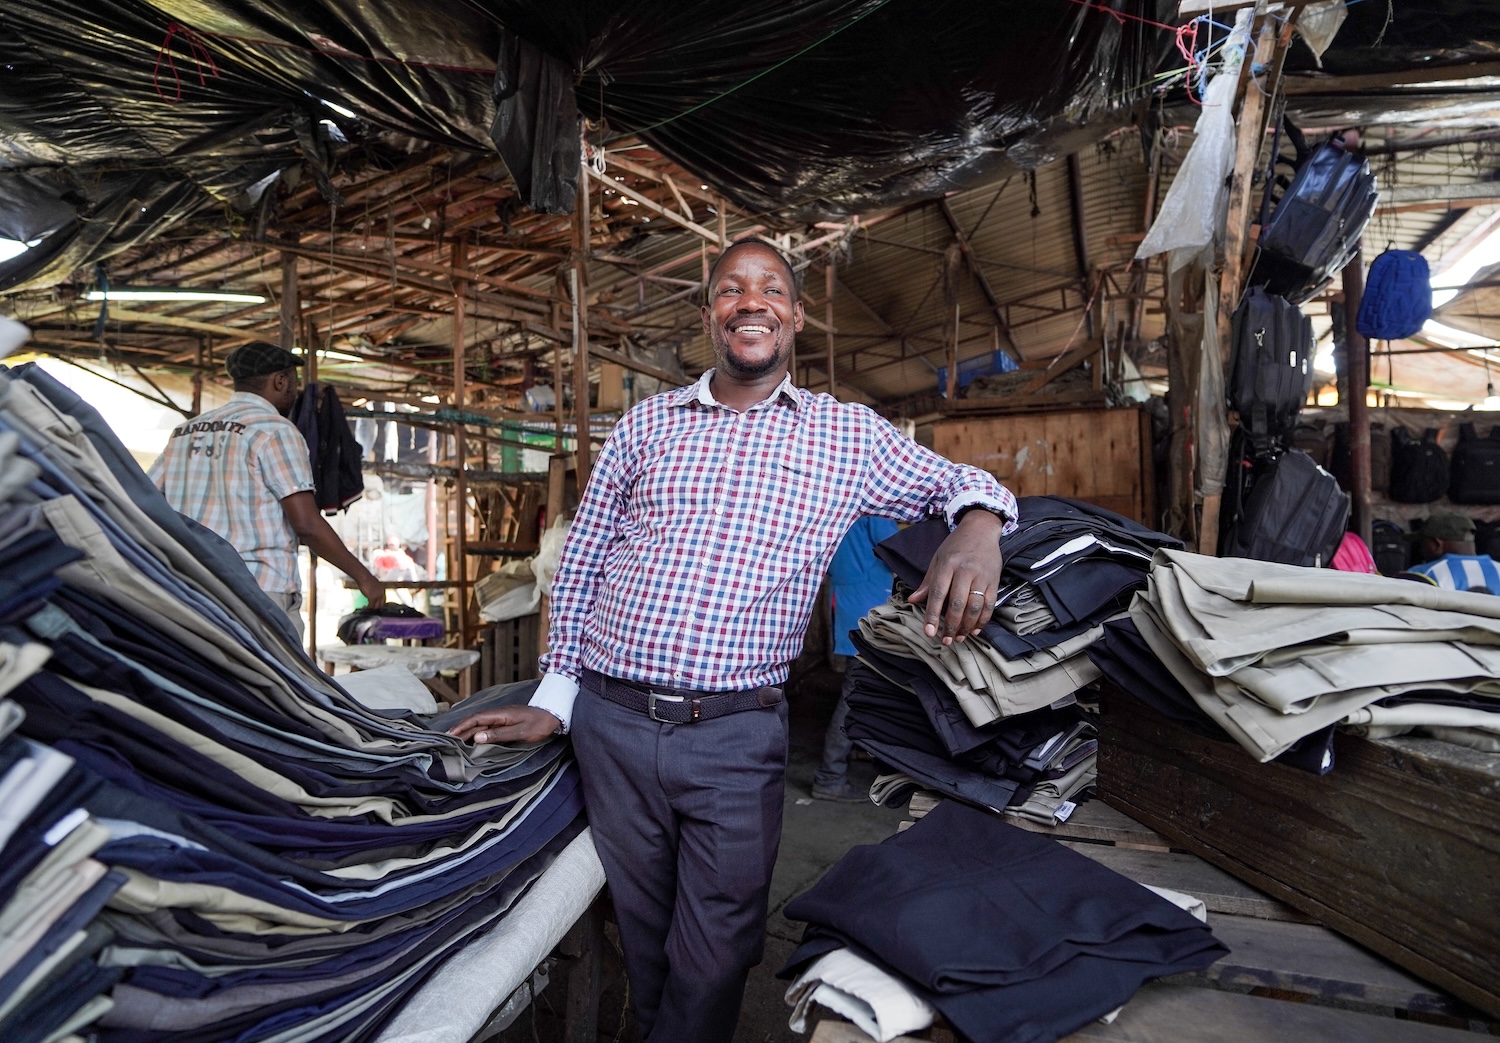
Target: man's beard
<point x="745" y="368"/>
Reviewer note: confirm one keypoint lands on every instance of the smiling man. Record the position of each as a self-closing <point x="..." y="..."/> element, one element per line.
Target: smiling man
<point x="683" y="593"/>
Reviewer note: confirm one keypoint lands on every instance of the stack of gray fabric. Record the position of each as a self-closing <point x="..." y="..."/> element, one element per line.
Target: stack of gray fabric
<point x="1276" y="652"/>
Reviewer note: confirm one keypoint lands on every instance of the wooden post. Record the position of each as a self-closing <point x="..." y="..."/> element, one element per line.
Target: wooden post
<point x="459" y="568"/>
<point x="309" y="375"/>
<point x="828" y="278"/>
<point x="579" y="286"/>
<point x="952" y="258"/>
<point x="291" y="308"/>
<point x="1081" y="241"/>
<point x="1359" y="384"/>
<point x="1250" y="130"/>
<point x="198" y="376"/>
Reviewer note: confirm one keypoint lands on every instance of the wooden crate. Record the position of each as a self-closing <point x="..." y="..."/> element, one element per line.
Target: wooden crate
<point x="1102" y="456"/>
<point x="508" y="651"/>
<point x="1397" y="848"/>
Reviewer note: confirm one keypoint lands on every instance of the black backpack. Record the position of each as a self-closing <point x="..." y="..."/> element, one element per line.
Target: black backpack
<point x="1487" y="538"/>
<point x="1289" y="510"/>
<point x="1419" y="470"/>
<point x="1389" y="547"/>
<point x="1318" y="223"/>
<point x="1270" y="373"/>
<point x="1475" y="472"/>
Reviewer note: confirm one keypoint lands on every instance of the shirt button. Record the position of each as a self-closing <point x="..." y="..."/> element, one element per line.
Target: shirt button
<point x="718" y="510"/>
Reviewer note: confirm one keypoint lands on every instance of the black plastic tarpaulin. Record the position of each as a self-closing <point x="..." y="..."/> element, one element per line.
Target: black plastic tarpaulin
<point x="119" y="118"/>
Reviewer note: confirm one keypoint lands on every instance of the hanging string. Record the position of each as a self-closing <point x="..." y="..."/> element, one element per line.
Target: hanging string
<point x="197" y="50"/>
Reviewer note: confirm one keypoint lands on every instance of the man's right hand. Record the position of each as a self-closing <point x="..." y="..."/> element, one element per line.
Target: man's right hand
<point x="508" y="724"/>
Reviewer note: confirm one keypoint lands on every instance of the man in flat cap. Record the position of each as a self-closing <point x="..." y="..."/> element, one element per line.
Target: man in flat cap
<point x="1445" y="546"/>
<point x="242" y="470"/>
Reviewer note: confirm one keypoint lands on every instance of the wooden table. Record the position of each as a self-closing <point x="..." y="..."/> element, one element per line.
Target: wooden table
<point x="1292" y="967"/>
<point x="424" y="662"/>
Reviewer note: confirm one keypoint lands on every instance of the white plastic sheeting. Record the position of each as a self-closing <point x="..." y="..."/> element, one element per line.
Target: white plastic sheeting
<point x="458" y="1000"/>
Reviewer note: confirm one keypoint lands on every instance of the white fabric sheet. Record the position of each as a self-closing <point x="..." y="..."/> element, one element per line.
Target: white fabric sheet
<point x="458" y="1000"/>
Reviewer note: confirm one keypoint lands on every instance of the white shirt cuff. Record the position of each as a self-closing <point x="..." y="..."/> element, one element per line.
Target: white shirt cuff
<point x="556" y="695"/>
<point x="973" y="499"/>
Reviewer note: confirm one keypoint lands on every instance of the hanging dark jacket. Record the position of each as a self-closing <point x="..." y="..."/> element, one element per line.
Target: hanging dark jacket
<point x="334" y="452"/>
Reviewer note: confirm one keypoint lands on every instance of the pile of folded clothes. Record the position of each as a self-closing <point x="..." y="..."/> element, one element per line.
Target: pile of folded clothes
<point x="1009" y="935"/>
<point x="203" y="837"/>
<point x="995" y="720"/>
<point x="1277" y="656"/>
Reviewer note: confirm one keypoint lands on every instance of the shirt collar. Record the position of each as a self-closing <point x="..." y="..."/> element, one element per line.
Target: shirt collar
<point x="701" y="394"/>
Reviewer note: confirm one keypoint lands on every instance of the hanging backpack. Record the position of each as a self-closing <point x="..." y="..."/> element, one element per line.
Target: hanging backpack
<point x="1398" y="296"/>
<point x="1475" y="472"/>
<point x="1317" y="225"/>
<point x="1294" y="513"/>
<point x="1270" y="373"/>
<point x="1389" y="547"/>
<point x="1419" y="470"/>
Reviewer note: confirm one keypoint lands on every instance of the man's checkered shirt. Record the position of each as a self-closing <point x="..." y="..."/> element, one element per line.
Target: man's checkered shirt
<point x="704" y="533"/>
<point x="229" y="469"/>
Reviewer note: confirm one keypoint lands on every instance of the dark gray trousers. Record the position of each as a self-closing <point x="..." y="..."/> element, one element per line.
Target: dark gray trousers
<point x="687" y="821"/>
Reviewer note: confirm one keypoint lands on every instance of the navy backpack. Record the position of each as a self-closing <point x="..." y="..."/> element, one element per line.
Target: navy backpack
<point x="1398" y="296"/>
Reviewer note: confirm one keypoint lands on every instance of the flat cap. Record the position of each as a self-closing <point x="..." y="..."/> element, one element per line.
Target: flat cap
<point x="259" y="359"/>
<point x="1448" y="526"/>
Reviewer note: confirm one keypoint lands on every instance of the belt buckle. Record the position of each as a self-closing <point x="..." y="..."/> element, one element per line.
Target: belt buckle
<point x="652" y="697"/>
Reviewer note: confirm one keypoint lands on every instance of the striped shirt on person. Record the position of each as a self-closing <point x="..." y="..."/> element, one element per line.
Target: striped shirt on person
<point x="1462" y="572"/>
<point x="229" y="469"/>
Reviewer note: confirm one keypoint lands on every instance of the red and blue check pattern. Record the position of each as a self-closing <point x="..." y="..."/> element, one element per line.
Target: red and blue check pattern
<point x="704" y="533"/>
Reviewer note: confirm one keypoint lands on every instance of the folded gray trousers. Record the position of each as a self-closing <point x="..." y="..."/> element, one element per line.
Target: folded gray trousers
<point x="986" y="685"/>
<point x="1276" y="652"/>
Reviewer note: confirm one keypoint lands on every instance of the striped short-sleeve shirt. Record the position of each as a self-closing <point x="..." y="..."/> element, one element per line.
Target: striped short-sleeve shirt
<point x="1462" y="572"/>
<point x="229" y="469"/>
<point x="704" y="533"/>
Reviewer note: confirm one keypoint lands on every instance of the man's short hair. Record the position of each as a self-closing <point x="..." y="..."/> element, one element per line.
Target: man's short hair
<point x="751" y="240"/>
<point x="258" y="359"/>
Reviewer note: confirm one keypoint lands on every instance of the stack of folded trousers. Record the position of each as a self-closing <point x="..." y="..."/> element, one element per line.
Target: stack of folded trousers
<point x="204" y="837"/>
<point x="1009" y="935"/>
<point x="966" y="720"/>
<point x="1273" y="654"/>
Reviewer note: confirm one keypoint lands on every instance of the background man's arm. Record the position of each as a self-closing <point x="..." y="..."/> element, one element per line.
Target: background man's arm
<point x="575" y="587"/>
<point x="311" y="528"/>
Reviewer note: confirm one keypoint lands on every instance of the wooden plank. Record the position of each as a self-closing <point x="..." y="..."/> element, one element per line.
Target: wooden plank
<point x="1096" y="820"/>
<point x="1311" y="83"/>
<point x="844" y="1032"/>
<point x="1182" y="1014"/>
<point x="1396" y="848"/>
<point x="1189" y="874"/>
<point x="1310" y="959"/>
<point x="1092" y="455"/>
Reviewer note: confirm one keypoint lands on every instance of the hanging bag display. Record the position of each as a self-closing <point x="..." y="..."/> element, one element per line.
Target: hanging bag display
<point x="1397" y="299"/>
<point x="1475" y="473"/>
<point x="1270" y="373"/>
<point x="1317" y="225"/>
<point x="1389" y="547"/>
<point x="1294" y="513"/>
<point x="1419" y="469"/>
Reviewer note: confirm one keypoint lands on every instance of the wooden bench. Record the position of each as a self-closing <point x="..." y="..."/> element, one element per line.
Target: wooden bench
<point x="1305" y="982"/>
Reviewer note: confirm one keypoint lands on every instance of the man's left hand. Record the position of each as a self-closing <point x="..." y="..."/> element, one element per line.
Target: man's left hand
<point x="963" y="579"/>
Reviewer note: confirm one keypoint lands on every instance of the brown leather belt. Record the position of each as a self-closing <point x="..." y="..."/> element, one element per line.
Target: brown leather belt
<point x="679" y="705"/>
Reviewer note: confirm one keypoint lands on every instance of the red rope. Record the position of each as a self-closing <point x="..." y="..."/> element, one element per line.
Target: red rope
<point x="1122" y="17"/>
<point x="197" y="50"/>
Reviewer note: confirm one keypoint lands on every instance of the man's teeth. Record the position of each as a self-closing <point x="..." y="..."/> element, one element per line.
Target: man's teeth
<point x="752" y="329"/>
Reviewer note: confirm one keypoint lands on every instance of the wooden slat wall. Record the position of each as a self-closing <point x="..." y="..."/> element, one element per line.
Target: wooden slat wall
<point x="1097" y="455"/>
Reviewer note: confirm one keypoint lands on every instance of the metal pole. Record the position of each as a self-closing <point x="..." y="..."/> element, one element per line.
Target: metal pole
<point x="579" y="285"/>
<point x="833" y="386"/>
<point x="1359" y="384"/>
